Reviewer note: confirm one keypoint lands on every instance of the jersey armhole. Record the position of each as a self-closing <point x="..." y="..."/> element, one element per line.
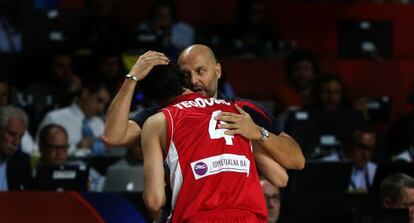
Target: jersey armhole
<point x="170" y="129"/>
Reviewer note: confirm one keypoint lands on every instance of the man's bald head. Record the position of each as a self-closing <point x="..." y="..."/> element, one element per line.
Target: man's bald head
<point x="200" y="65"/>
<point x="198" y="49"/>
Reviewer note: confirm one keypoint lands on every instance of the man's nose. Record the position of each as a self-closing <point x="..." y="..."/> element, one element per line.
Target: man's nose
<point x="194" y="79"/>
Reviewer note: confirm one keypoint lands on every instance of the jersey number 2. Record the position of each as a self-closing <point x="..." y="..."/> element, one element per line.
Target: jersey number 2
<point x="216" y="133"/>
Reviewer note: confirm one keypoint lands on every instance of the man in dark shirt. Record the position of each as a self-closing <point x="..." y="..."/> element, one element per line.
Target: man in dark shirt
<point x="199" y="63"/>
<point x="15" y="171"/>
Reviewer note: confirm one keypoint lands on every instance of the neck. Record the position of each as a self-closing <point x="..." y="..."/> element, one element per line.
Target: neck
<point x="187" y="91"/>
<point x="82" y="108"/>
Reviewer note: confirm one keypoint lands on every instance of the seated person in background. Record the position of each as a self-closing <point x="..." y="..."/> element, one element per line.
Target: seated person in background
<point x="163" y="32"/>
<point x="253" y="37"/>
<point x="407" y="155"/>
<point x="109" y="69"/>
<point x="82" y="120"/>
<point x="401" y="136"/>
<point x="53" y="147"/>
<point x="397" y="191"/>
<point x="133" y="157"/>
<point x="272" y="197"/>
<point x="301" y="68"/>
<point x="27" y="144"/>
<point x="359" y="149"/>
<point x="58" y="88"/>
<point x="15" y="171"/>
<point x="6" y="95"/>
<point x="11" y="35"/>
<point x="329" y="93"/>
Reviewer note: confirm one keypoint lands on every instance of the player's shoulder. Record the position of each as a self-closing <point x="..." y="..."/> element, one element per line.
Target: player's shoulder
<point x="158" y="119"/>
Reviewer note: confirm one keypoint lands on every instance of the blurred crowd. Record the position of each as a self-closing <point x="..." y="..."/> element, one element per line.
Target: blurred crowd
<point x="58" y="74"/>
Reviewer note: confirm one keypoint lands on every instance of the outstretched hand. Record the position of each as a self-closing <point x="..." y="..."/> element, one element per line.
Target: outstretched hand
<point x="241" y="124"/>
<point x="146" y="62"/>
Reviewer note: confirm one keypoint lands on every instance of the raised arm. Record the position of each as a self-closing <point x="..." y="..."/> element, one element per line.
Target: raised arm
<point x="119" y="131"/>
<point x="282" y="147"/>
<point x="153" y="139"/>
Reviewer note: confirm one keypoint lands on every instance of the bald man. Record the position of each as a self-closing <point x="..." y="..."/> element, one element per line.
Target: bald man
<point x="199" y="63"/>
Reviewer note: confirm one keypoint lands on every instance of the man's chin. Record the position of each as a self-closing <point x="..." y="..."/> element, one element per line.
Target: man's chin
<point x="202" y="92"/>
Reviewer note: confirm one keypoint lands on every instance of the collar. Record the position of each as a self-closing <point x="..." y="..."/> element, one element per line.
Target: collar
<point x="77" y="111"/>
<point x="186" y="97"/>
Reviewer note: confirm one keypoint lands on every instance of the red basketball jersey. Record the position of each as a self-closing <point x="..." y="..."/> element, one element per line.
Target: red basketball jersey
<point x="210" y="172"/>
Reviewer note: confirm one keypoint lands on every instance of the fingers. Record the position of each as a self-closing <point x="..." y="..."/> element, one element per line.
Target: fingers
<point x="155" y="58"/>
<point x="240" y="110"/>
<point x="230" y="132"/>
<point x="226" y="117"/>
<point x="228" y="126"/>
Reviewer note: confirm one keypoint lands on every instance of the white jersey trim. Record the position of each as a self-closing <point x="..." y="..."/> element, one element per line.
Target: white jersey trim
<point x="172" y="160"/>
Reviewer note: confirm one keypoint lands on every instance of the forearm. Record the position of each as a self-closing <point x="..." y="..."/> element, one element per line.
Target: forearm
<point x="269" y="168"/>
<point x="284" y="150"/>
<point x="116" y="123"/>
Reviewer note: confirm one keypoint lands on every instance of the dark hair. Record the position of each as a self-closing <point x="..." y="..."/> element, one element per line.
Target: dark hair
<point x="319" y="84"/>
<point x="161" y="4"/>
<point x="44" y="134"/>
<point x="164" y="82"/>
<point x="391" y="186"/>
<point x="298" y="56"/>
<point x="94" y="85"/>
<point x="11" y="91"/>
<point x="353" y="137"/>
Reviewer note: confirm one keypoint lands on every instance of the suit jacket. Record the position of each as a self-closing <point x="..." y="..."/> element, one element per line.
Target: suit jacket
<point x="19" y="172"/>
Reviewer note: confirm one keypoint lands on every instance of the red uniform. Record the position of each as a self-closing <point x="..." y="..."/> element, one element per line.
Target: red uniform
<point x="213" y="176"/>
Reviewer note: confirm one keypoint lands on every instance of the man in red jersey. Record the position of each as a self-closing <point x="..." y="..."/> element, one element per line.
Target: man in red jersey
<point x="213" y="175"/>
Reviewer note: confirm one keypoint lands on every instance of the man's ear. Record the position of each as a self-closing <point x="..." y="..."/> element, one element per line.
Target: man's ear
<point x="386" y="202"/>
<point x="84" y="93"/>
<point x="217" y="68"/>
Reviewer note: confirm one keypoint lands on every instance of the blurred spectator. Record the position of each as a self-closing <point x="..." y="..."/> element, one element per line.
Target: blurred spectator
<point x="100" y="28"/>
<point x="10" y="27"/>
<point x="53" y="147"/>
<point x="6" y="92"/>
<point x="359" y="149"/>
<point x="56" y="91"/>
<point x="162" y="31"/>
<point x="302" y="67"/>
<point x="401" y="138"/>
<point x="329" y="93"/>
<point x="253" y="37"/>
<point x="7" y="96"/>
<point x="82" y="120"/>
<point x="225" y="87"/>
<point x="397" y="191"/>
<point x="272" y="197"/>
<point x="110" y="69"/>
<point x="15" y="171"/>
<point x="133" y="157"/>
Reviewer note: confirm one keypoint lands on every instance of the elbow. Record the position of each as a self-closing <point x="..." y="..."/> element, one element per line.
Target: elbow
<point x="280" y="181"/>
<point x="283" y="181"/>
<point x="295" y="164"/>
<point x="154" y="203"/>
<point x="109" y="141"/>
<point x="301" y="163"/>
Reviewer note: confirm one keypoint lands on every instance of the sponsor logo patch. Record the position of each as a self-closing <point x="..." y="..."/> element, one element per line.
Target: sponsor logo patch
<point x="221" y="163"/>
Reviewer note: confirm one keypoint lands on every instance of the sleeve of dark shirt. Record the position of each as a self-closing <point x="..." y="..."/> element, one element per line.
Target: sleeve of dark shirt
<point x="142" y="116"/>
<point x="259" y="115"/>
